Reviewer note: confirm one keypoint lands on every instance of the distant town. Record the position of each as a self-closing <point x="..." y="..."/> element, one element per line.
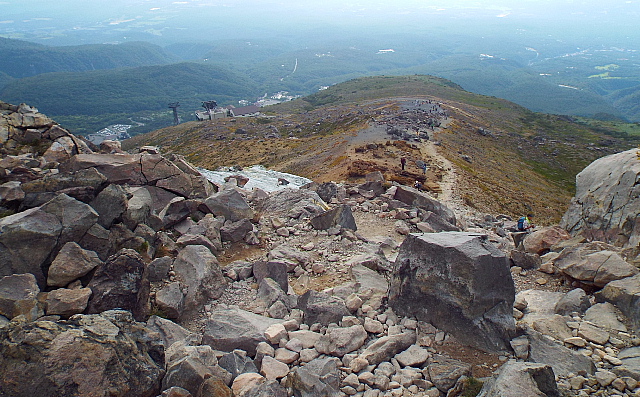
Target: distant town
<point x="119" y="132"/>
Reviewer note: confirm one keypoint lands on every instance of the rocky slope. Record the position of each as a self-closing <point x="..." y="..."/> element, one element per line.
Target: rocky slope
<point x="132" y="275"/>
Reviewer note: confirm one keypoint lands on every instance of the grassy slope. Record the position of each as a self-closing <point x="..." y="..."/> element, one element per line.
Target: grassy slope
<point x="527" y="163"/>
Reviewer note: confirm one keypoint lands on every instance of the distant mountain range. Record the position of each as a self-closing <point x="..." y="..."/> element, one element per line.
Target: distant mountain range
<point x="91" y="86"/>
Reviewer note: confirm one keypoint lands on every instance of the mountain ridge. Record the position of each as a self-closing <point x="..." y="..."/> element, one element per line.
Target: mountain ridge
<point x="509" y="159"/>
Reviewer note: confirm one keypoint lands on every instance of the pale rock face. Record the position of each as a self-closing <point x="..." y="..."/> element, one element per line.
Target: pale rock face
<point x="607" y="201"/>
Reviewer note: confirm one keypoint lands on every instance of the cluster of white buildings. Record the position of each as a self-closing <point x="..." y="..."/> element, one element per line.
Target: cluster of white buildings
<point x="115" y="132"/>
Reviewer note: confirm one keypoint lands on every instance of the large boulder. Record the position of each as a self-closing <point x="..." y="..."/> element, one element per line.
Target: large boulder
<point x="121" y="282"/>
<point x="320" y="377"/>
<point x="19" y="296"/>
<point x="230" y="328"/>
<point x="460" y="283"/>
<point x="606" y="203"/>
<point x="419" y="199"/>
<point x="319" y="307"/>
<point x="294" y="203"/>
<point x="30" y="239"/>
<point x="66" y="302"/>
<point x="71" y="263"/>
<point x="593" y="264"/>
<point x="385" y="348"/>
<point x="516" y="379"/>
<point x="230" y="204"/>
<point x="563" y="360"/>
<point x="88" y="355"/>
<point x="198" y="270"/>
<point x="540" y="241"/>
<point x="339" y="216"/>
<point x="625" y="294"/>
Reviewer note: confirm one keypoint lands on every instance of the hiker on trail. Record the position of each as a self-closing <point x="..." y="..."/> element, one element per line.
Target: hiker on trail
<point x="424" y="168"/>
<point x="524" y="223"/>
<point x="403" y="162"/>
<point x="418" y="185"/>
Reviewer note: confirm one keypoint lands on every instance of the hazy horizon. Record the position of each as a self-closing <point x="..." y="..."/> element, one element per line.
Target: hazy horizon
<point x="163" y="22"/>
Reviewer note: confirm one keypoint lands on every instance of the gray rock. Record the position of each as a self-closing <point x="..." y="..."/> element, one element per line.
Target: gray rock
<point x="340" y="341"/>
<point x="189" y="373"/>
<point x="198" y="269"/>
<point x="370" y="279"/>
<point x="11" y="191"/>
<point x="89" y="178"/>
<point x="66" y="302"/>
<point x="121" y="282"/>
<point x="236" y="231"/>
<point x="193" y="239"/>
<point x="96" y="239"/>
<point x="176" y="211"/>
<point x="327" y="191"/>
<point x="110" y="204"/>
<point x="29" y="239"/>
<point x="516" y="379"/>
<point x="19" y="296"/>
<point x="230" y="204"/>
<point x="604" y="316"/>
<point x="423" y="200"/>
<point x="625" y="294"/>
<point x="575" y="262"/>
<point x="230" y="328"/>
<point x="525" y="260"/>
<point x="86" y="354"/>
<point x="385" y="348"/>
<point x="563" y="360"/>
<point x="374" y="259"/>
<point x="274" y="270"/>
<point x="270" y="388"/>
<point x="175" y="391"/>
<point x="554" y="326"/>
<point x="293" y="203"/>
<point x="171" y="332"/>
<point x="243" y="270"/>
<point x="269" y="292"/>
<point x="117" y="168"/>
<point x="71" y="263"/>
<point x="438" y="224"/>
<point x="605" y="203"/>
<point x="458" y="282"/>
<point x="320" y="377"/>
<point x="593" y="334"/>
<point x="444" y="372"/>
<point x="237" y="363"/>
<point x="159" y="268"/>
<point x="520" y="346"/>
<point x="630" y="363"/>
<point x="413" y="356"/>
<point x="575" y="300"/>
<point x="321" y="308"/>
<point x="339" y="216"/>
<point x="170" y="300"/>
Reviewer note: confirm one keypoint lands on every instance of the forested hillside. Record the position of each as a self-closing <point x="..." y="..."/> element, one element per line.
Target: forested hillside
<point x="23" y="59"/>
<point x="129" y="90"/>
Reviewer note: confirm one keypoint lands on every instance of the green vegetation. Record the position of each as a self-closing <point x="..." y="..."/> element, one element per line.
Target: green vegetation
<point x="114" y="95"/>
<point x="472" y="387"/>
<point x="23" y="59"/>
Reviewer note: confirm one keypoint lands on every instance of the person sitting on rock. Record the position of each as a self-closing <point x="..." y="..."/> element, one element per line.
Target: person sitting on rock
<point x="418" y="185"/>
<point x="524" y="223"/>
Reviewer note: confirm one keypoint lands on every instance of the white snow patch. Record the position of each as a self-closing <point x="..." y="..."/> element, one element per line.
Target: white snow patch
<point x="259" y="177"/>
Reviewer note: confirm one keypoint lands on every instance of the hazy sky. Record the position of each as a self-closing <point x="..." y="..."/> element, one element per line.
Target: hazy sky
<point x="175" y="20"/>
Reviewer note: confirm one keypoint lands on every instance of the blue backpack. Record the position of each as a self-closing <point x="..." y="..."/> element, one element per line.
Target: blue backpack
<point x="521" y="223"/>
